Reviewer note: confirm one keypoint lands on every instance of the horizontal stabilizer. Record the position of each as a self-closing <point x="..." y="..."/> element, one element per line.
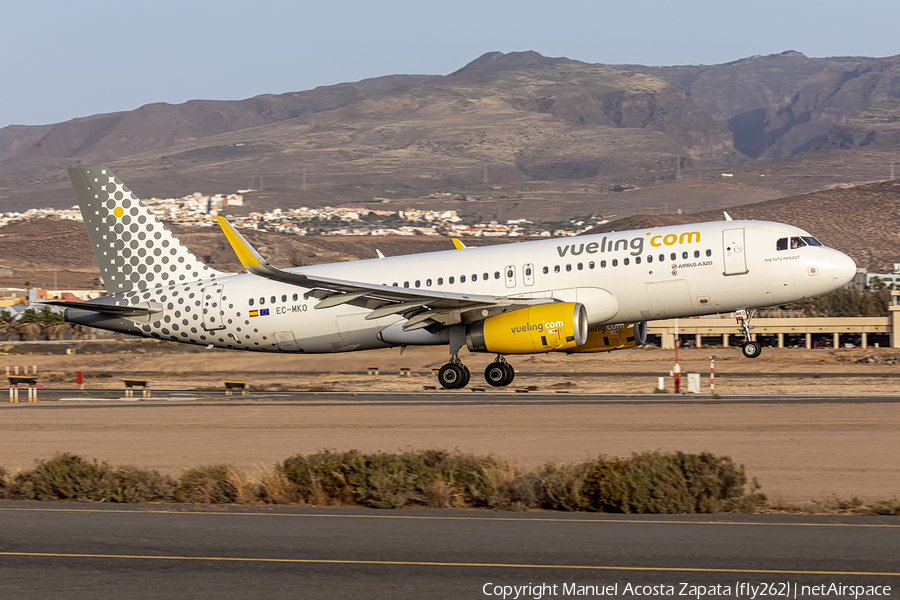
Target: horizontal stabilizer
<point x="137" y="309"/>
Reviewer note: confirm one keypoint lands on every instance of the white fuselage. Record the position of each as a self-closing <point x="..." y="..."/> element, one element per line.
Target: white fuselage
<point x="620" y="277"/>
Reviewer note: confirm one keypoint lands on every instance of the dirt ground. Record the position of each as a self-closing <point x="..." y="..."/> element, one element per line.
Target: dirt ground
<point x="799" y="453"/>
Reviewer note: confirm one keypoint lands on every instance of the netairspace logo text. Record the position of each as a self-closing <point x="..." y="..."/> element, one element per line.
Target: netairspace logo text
<point x="753" y="591"/>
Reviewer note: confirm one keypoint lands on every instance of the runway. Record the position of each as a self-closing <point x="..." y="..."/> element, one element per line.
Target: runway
<point x="69" y="551"/>
<point x="60" y="398"/>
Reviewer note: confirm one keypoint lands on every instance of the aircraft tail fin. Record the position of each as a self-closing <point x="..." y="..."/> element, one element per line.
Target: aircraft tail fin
<point x="133" y="248"/>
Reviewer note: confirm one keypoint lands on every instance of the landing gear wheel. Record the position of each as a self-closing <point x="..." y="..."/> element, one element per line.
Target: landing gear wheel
<point x="466" y="377"/>
<point x="496" y="374"/>
<point x="751" y="349"/>
<point x="499" y="374"/>
<point x="510" y="373"/>
<point x="453" y="376"/>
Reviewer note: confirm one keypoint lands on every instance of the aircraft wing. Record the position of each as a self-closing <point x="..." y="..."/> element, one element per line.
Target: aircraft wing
<point x="421" y="307"/>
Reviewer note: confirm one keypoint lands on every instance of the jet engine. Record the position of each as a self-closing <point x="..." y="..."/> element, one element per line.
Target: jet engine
<point x="606" y="338"/>
<point x="530" y="330"/>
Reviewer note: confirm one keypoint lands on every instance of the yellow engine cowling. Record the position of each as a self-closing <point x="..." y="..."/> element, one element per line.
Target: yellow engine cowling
<point x="606" y="338"/>
<point x="542" y="328"/>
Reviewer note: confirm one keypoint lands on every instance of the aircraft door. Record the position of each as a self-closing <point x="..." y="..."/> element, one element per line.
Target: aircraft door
<point x="212" y="308"/>
<point x="733" y="251"/>
<point x="528" y="272"/>
<point x="510" y="272"/>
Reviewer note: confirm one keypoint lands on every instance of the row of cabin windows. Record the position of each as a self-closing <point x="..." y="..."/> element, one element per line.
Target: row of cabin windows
<point x="627" y="261"/>
<point x="510" y="274"/>
<point x="556" y="269"/>
<point x="462" y="279"/>
<point x="274" y="299"/>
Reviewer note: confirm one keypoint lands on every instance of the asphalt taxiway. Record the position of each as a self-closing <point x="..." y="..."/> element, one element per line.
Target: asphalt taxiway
<point x="79" y="551"/>
<point x="58" y="398"/>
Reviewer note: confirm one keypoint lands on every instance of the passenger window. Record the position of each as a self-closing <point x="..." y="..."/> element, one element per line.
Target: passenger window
<point x="673" y="256"/>
<point x="591" y="265"/>
<point x="427" y="283"/>
<point x="696" y="254"/>
<point x="451" y="280"/>
<point x="509" y="273"/>
<point x="569" y="267"/>
<point x="418" y="283"/>
<point x="394" y="284"/>
<point x="262" y="301"/>
<point x="615" y="262"/>
<point x="649" y="258"/>
<point x="781" y="244"/>
<point x="625" y="261"/>
<point x="251" y="301"/>
<point x="580" y="266"/>
<point x="546" y="270"/>
<point x="684" y="255"/>
<point x="556" y="269"/>
<point x="637" y="260"/>
<point x="295" y="297"/>
<point x="440" y="281"/>
<point x="497" y="274"/>
<point x="474" y="276"/>
<point x="662" y="258"/>
<point x="406" y="284"/>
<point x="272" y="299"/>
<point x="527" y="272"/>
<point x="602" y="264"/>
<point x="485" y="276"/>
<point x="284" y="297"/>
<point x="462" y="278"/>
<point x="708" y="252"/>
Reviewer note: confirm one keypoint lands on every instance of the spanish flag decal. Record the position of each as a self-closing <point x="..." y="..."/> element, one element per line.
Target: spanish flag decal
<point x="254" y="313"/>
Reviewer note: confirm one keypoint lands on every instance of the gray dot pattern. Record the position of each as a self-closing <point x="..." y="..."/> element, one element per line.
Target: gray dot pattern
<point x="133" y="248"/>
<point x="141" y="261"/>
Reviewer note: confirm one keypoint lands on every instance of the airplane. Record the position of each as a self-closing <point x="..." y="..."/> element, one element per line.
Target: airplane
<point x="590" y="293"/>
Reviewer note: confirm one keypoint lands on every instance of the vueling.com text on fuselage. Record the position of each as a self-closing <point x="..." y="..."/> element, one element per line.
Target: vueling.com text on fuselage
<point x="636" y="244"/>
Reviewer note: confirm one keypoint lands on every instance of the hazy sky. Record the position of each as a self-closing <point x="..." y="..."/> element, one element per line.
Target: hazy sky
<point x="63" y="59"/>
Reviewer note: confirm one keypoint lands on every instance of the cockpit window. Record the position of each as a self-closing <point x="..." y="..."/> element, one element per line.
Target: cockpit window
<point x="797" y="242"/>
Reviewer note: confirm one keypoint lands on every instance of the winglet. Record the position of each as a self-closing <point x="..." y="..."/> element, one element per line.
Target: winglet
<point x="458" y="244"/>
<point x="380" y="255"/>
<point x="248" y="256"/>
<point x="727" y="216"/>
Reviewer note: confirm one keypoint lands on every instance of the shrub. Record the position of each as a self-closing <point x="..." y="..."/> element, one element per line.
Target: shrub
<point x="654" y="482"/>
<point x="72" y="477"/>
<point x="562" y="486"/>
<point x="885" y="507"/>
<point x="5" y="485"/>
<point x="423" y="478"/>
<point x="211" y="484"/>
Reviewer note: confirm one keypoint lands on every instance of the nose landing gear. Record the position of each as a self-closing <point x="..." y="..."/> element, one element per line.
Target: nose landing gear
<point x="749" y="348"/>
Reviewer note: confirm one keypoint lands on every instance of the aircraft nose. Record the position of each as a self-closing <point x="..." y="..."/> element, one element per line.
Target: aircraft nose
<point x="843" y="269"/>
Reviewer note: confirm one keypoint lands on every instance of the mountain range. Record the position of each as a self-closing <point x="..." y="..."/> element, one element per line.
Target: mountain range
<point x="516" y="121"/>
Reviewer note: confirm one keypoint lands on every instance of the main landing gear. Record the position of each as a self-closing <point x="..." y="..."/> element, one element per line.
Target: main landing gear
<point x="499" y="373"/>
<point x="455" y="375"/>
<point x="749" y="347"/>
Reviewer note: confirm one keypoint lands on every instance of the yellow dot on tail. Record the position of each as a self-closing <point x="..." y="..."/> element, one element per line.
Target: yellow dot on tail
<point x="119" y="211"/>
